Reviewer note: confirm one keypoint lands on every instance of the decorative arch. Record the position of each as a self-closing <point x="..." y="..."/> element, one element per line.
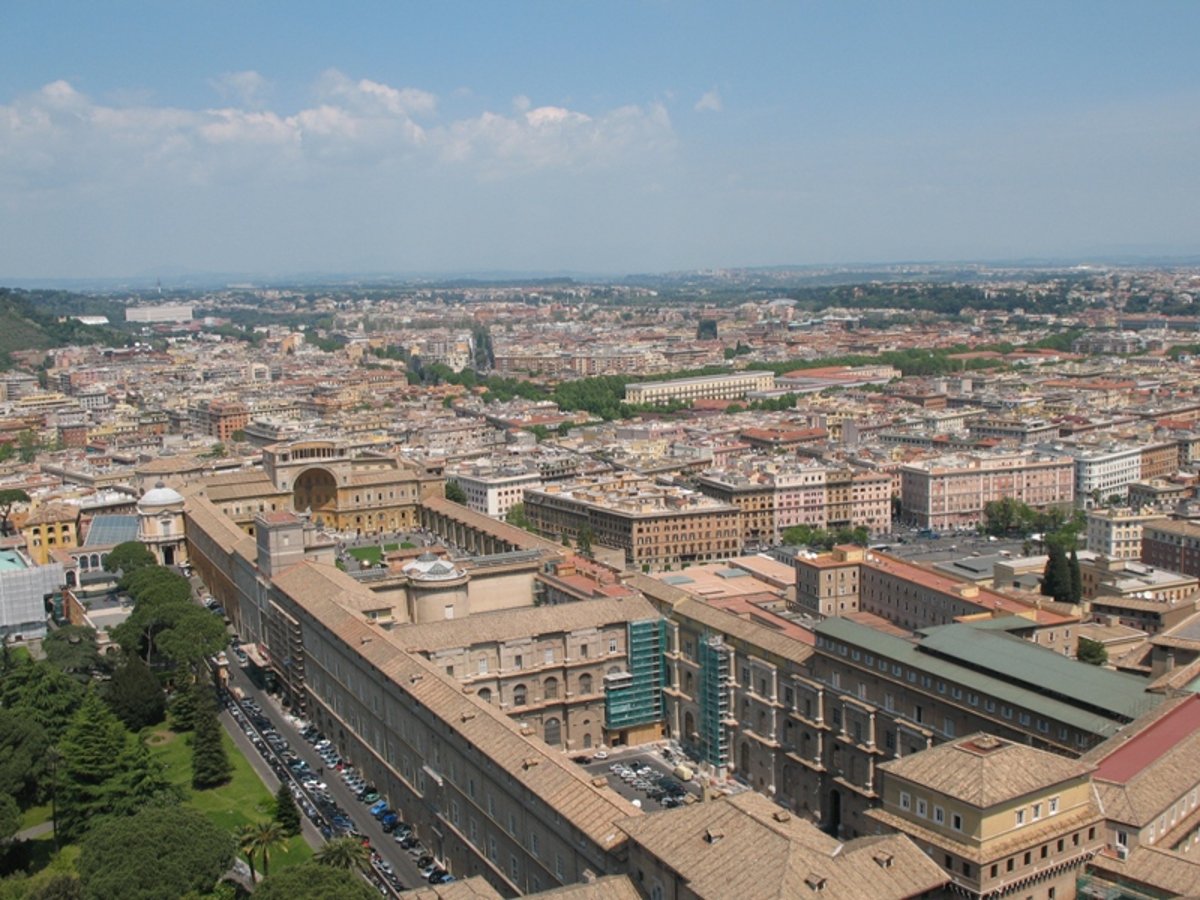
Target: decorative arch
<point x="315" y="489"/>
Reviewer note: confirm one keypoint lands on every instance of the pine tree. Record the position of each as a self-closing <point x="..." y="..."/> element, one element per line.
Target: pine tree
<point x="185" y="705"/>
<point x="210" y="762"/>
<point x="286" y="812"/>
<point x="1056" y="580"/>
<point x="93" y="752"/>
<point x="135" y="694"/>
<point x="1076" y="578"/>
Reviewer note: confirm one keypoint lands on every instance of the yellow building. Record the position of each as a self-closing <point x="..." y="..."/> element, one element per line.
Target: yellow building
<point x="53" y="527"/>
<point x="1002" y="819"/>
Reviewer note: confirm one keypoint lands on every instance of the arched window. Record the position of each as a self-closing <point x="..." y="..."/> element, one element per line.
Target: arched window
<point x="519" y="695"/>
<point x="687" y="682"/>
<point x="585" y="684"/>
<point x="689" y="726"/>
<point x="485" y="694"/>
<point x="550" y="688"/>
<point x="614" y="670"/>
<point x="553" y="731"/>
<point x="587" y="740"/>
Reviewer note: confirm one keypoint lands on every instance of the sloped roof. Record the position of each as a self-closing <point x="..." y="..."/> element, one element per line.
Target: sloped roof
<point x="982" y="770"/>
<point x="749" y="848"/>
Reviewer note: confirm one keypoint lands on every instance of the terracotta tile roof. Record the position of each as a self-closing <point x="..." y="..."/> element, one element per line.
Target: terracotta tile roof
<point x="983" y="771"/>
<point x="1171" y="873"/>
<point x="749" y="848"/>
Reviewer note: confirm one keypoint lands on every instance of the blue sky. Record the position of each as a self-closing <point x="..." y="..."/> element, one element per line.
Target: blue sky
<point x="275" y="138"/>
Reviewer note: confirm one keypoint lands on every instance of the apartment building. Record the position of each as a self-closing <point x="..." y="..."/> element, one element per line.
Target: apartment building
<point x="879" y="695"/>
<point x="1105" y="472"/>
<point x="850" y="580"/>
<point x="952" y="491"/>
<point x="1137" y="595"/>
<point x="656" y="526"/>
<point x="1023" y="431"/>
<point x="1001" y="819"/>
<point x="1172" y="544"/>
<point x="705" y="387"/>
<point x="54" y="526"/>
<point x="1117" y="532"/>
<point x="494" y="490"/>
<point x="859" y="498"/>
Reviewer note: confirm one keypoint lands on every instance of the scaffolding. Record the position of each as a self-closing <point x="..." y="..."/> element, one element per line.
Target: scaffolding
<point x="635" y="697"/>
<point x="714" y="701"/>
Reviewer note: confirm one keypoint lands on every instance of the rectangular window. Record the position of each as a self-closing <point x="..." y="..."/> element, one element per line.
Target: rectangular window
<point x="1037" y="811"/>
<point x="1020" y="817"/>
<point x="905" y="800"/>
<point x="922" y="807"/>
<point x="956" y="821"/>
<point x="612" y="645"/>
<point x="548" y="656"/>
<point x="518" y="662"/>
<point x="939" y="815"/>
<point x="1053" y="805"/>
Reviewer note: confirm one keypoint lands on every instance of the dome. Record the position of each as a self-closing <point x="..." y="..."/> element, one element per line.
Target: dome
<point x="161" y="495"/>
<point x="428" y="567"/>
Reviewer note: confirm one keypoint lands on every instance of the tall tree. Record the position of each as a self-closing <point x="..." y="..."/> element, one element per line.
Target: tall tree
<point x="159" y="853"/>
<point x="40" y="692"/>
<point x="1076" y="577"/>
<point x="1056" y="579"/>
<point x="265" y="837"/>
<point x="128" y="557"/>
<point x="23" y="744"/>
<point x="186" y="704"/>
<point x="135" y="695"/>
<point x="73" y="650"/>
<point x="287" y="813"/>
<point x="210" y="762"/>
<point x="247" y="844"/>
<point x="92" y="751"/>
<point x="10" y="817"/>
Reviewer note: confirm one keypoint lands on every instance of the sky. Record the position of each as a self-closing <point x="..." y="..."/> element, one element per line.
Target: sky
<point x="291" y="138"/>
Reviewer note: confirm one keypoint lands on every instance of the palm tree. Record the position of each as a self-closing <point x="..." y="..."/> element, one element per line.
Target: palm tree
<point x="344" y="853"/>
<point x="248" y="846"/>
<point x="261" y="838"/>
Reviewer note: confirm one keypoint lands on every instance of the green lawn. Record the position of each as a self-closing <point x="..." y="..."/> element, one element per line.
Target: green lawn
<point x="35" y="815"/>
<point x="243" y="799"/>
<point x="372" y="554"/>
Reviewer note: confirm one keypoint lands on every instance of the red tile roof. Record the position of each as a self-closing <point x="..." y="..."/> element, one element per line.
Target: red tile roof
<point x="1144" y="748"/>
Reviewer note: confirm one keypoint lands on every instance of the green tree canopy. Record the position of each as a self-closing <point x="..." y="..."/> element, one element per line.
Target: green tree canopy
<point x="1056" y="578"/>
<point x="43" y="694"/>
<point x="92" y="751"/>
<point x="73" y="650"/>
<point x="23" y="744"/>
<point x="135" y="695"/>
<point x="128" y="557"/>
<point x="455" y="493"/>
<point x="210" y="762"/>
<point x="344" y="853"/>
<point x="314" y="882"/>
<point x="159" y="853"/>
<point x="10" y="817"/>
<point x="516" y="516"/>
<point x="259" y="839"/>
<point x="287" y="813"/>
<point x="1091" y="652"/>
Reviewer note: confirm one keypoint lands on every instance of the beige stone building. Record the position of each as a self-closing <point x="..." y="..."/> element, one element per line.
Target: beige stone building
<point x="656" y="527"/>
<point x="705" y="387"/>
<point x="1117" y="532"/>
<point x="1001" y="819"/>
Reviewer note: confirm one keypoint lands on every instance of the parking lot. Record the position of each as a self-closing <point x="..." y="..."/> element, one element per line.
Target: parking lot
<point x="643" y="775"/>
<point x="947" y="546"/>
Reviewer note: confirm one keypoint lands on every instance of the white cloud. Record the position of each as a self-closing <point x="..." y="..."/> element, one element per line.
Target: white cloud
<point x="62" y="135"/>
<point x="247" y="88"/>
<point x="710" y="101"/>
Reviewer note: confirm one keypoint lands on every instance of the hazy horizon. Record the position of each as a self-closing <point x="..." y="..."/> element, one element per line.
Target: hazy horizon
<point x="609" y="139"/>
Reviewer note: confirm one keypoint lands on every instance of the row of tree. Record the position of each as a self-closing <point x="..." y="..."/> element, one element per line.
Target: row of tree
<point x="825" y="539"/>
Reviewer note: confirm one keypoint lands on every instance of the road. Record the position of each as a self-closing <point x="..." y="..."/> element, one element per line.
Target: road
<point x="356" y="810"/>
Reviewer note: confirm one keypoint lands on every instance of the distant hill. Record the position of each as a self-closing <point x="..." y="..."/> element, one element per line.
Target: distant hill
<point x="30" y="320"/>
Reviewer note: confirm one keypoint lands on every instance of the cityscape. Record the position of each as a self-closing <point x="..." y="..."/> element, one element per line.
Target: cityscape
<point x="409" y="488"/>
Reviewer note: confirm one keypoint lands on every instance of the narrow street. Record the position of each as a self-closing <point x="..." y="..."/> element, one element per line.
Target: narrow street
<point x="365" y="823"/>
